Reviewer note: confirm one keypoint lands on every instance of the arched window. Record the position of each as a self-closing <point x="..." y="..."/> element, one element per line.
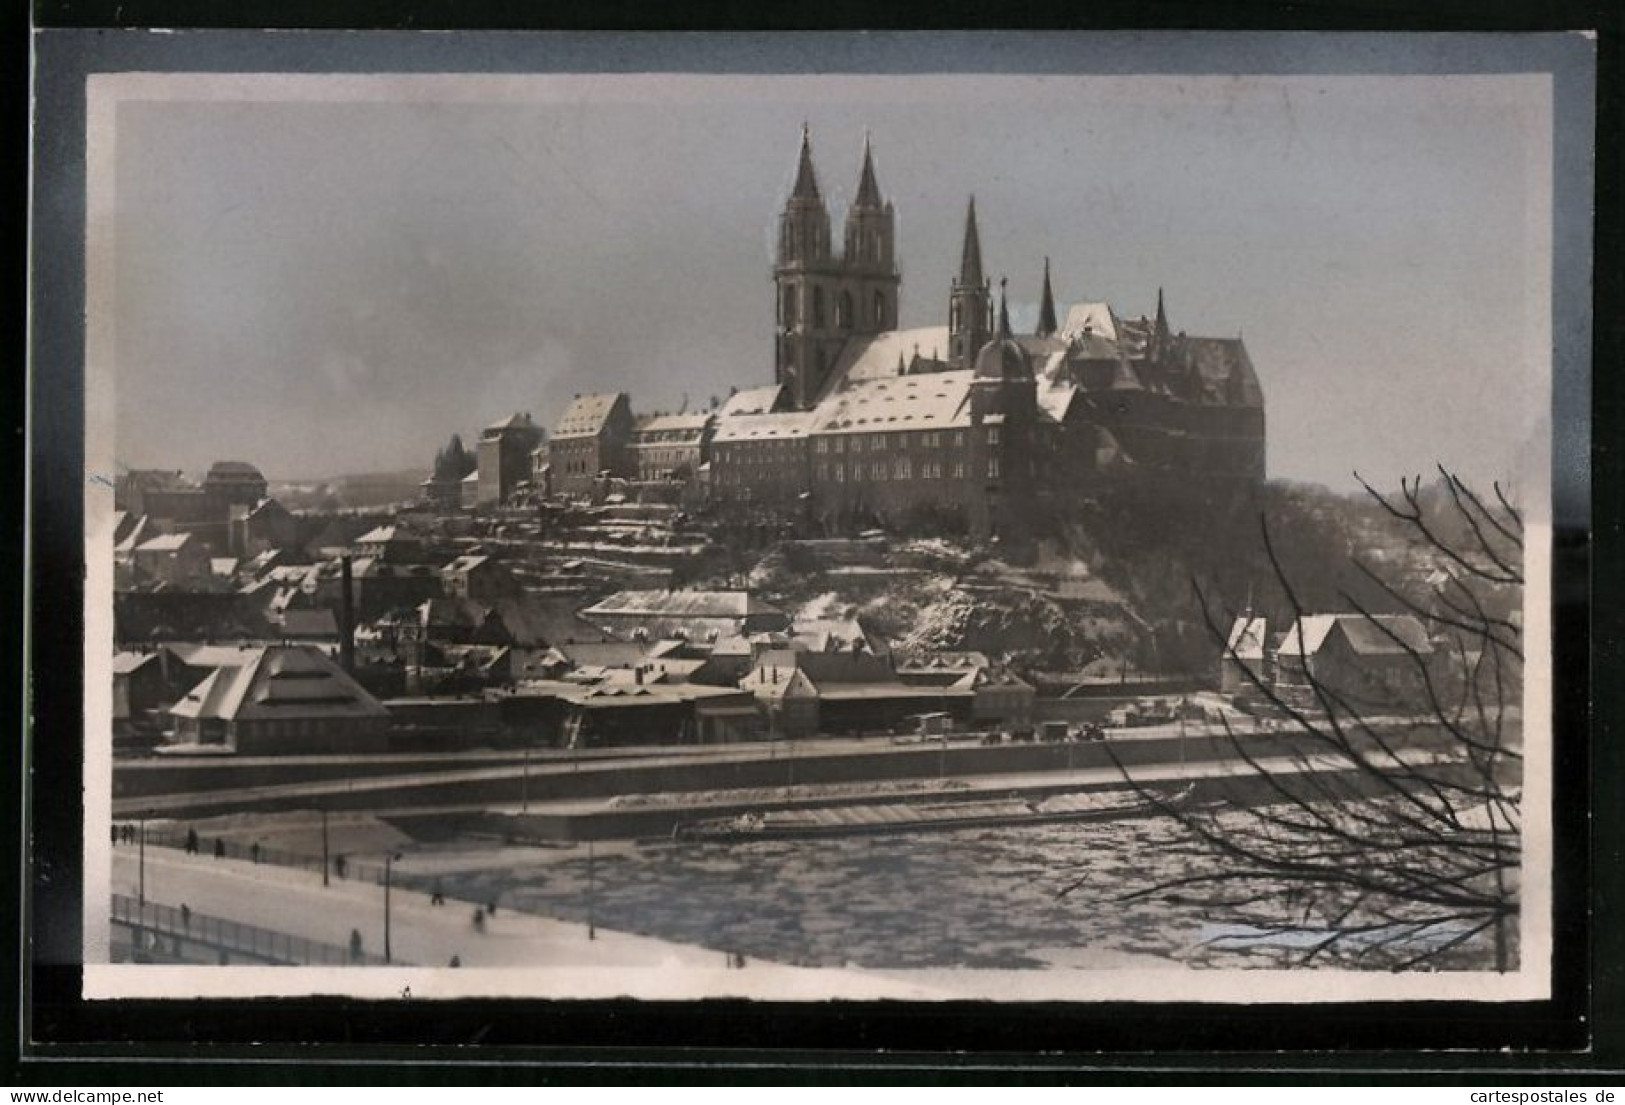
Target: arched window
<point x="787" y="309"/>
<point x="880" y="311"/>
<point x="843" y="311"/>
<point x="818" y="308"/>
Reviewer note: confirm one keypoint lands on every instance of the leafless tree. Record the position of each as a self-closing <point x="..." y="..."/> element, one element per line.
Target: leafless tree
<point x="1371" y="818"/>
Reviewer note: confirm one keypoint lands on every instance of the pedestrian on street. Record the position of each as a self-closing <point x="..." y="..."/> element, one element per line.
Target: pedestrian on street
<point x="479" y="919"/>
<point x="191" y="842"/>
<point x="186" y="916"/>
<point x="219" y="848"/>
<point x="355" y="945"/>
<point x="254" y="852"/>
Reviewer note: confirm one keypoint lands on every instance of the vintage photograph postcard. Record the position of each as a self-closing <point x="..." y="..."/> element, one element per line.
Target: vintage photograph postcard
<point x="1041" y="517"/>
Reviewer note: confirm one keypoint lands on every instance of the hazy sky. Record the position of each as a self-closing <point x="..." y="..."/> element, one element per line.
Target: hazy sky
<point x="324" y="276"/>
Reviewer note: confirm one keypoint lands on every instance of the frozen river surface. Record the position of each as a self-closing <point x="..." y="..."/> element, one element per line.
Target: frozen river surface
<point x="974" y="898"/>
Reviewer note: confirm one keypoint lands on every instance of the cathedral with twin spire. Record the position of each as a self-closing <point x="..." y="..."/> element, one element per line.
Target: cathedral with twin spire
<point x="968" y="425"/>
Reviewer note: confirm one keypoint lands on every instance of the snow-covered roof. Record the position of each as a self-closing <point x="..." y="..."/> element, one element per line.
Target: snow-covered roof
<point x="281" y="682"/>
<point x="877" y="356"/>
<point x="586" y="415"/>
<point x="789" y="425"/>
<point x="1095" y="319"/>
<point x="752" y="401"/>
<point x="169" y="542"/>
<point x="1378" y="635"/>
<point x="1247" y="638"/>
<point x="927" y="401"/>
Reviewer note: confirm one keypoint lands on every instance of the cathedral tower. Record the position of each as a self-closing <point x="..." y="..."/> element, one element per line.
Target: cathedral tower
<point x="808" y="278"/>
<point x="970" y="304"/>
<point x="867" y="303"/>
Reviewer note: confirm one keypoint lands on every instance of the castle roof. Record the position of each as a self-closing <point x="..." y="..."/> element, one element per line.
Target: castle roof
<point x="586" y="415"/>
<point x="1219" y="361"/>
<point x="927" y="401"/>
<point x="760" y="400"/>
<point x="515" y="421"/>
<point x="1002" y="359"/>
<point x="871" y="356"/>
<point x="672" y="424"/>
<point x="762" y="427"/>
<point x="1095" y="319"/>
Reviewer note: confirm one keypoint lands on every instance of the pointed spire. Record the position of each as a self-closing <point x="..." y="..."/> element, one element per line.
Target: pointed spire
<point x="1162" y="315"/>
<point x="1046" y="307"/>
<point x="970" y="261"/>
<point x="1004" y="309"/>
<point x="806" y="180"/>
<point x="868" y="190"/>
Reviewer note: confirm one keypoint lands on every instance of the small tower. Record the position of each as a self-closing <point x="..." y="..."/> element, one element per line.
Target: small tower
<point x="970" y="302"/>
<point x="1046" y="308"/>
<point x="1161" y="338"/>
<point x="1004" y="412"/>
<point x="807" y="279"/>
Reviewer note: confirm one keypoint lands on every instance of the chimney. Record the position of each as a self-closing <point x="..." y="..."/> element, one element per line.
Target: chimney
<point x="346" y="618"/>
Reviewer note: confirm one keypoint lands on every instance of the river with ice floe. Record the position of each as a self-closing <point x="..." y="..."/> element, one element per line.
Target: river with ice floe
<point x="979" y="898"/>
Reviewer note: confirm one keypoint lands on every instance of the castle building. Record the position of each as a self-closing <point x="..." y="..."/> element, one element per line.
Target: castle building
<point x="968" y="424"/>
<point x="591" y="439"/>
<point x="505" y="450"/>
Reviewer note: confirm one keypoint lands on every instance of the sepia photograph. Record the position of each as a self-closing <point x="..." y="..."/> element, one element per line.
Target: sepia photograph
<point x="1056" y="517"/>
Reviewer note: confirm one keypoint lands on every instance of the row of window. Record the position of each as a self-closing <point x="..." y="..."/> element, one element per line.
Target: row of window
<point x="745" y="451"/>
<point x="873" y="472"/>
<point x="879" y="443"/>
<point x="900" y="469"/>
<point x="845" y="309"/>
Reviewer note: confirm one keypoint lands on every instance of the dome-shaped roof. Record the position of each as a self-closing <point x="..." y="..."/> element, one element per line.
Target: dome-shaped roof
<point x="1003" y="359"/>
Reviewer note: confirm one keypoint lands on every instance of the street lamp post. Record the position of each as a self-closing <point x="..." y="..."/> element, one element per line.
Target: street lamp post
<point x="524" y="780"/>
<point x="325" y="863"/>
<point x="141" y="864"/>
<point x="592" y="931"/>
<point x="389" y="862"/>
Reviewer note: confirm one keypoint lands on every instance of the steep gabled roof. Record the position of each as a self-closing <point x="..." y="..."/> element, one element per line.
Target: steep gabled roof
<point x="587" y="415"/>
<point x="1246" y="641"/>
<point x="762" y="400"/>
<point x="1379" y="635"/>
<point x="281" y="682"/>
<point x="1092" y="318"/>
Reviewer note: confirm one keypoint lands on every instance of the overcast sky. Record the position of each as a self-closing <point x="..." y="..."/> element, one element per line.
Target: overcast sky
<point x="323" y="277"/>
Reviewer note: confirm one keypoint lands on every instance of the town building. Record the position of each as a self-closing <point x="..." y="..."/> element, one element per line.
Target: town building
<point x="279" y="700"/>
<point x="479" y="578"/>
<point x="174" y="559"/>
